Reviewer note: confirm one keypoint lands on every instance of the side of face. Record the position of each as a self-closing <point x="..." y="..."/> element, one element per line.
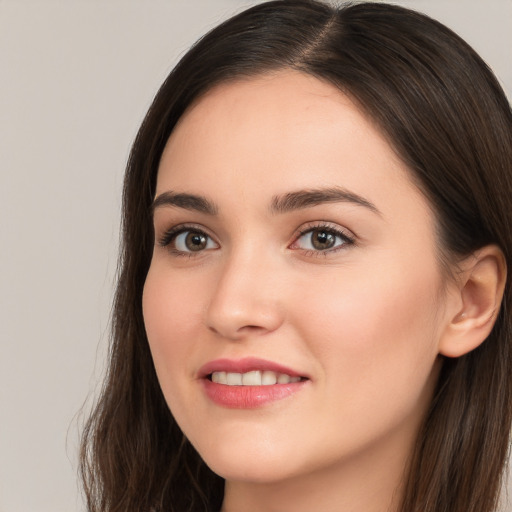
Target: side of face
<point x="345" y="289"/>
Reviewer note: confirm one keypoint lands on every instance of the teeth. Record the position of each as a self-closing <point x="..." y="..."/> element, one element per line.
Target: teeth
<point x="283" y="379"/>
<point x="219" y="377"/>
<point x="253" y="378"/>
<point x="268" y="378"/>
<point x="234" y="379"/>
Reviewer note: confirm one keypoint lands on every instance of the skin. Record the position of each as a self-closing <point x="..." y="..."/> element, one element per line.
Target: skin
<point x="363" y="322"/>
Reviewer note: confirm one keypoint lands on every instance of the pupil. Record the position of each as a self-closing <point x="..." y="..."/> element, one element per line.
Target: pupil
<point x="195" y="241"/>
<point x="323" y="240"/>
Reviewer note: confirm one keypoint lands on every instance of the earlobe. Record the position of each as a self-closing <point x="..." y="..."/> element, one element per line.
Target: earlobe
<point x="481" y="284"/>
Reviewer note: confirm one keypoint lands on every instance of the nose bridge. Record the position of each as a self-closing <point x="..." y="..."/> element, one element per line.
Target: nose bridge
<point x="245" y="300"/>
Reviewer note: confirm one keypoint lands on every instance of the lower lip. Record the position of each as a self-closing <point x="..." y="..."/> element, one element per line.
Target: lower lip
<point x="248" y="397"/>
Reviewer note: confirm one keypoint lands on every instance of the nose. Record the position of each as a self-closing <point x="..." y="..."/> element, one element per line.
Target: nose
<point x="246" y="301"/>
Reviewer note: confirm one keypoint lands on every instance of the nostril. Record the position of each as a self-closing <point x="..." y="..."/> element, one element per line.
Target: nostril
<point x="235" y="333"/>
<point x="234" y="316"/>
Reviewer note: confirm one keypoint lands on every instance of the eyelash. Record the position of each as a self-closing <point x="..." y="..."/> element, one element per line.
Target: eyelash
<point x="170" y="236"/>
<point x="347" y="239"/>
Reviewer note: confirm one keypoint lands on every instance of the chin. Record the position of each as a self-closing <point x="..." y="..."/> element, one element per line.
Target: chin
<point x="256" y="464"/>
<point x="249" y="471"/>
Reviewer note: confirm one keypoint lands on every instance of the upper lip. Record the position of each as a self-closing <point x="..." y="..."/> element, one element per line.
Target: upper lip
<point x="245" y="365"/>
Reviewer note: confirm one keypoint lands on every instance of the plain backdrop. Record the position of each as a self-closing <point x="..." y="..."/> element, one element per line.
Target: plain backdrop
<point x="76" y="78"/>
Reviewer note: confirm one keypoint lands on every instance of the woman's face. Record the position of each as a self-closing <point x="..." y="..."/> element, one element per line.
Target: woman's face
<point x="290" y="240"/>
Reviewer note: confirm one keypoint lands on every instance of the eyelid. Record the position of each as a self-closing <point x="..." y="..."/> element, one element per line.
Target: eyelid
<point x="348" y="237"/>
<point x="167" y="237"/>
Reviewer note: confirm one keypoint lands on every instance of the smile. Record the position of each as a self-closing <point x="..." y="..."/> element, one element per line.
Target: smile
<point x="249" y="383"/>
<point x="253" y="378"/>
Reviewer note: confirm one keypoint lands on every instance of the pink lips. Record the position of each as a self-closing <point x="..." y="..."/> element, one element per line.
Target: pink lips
<point x="245" y="365"/>
<point x="247" y="397"/>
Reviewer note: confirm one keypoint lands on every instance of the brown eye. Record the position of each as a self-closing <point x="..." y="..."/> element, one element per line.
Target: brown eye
<point x="190" y="240"/>
<point x="322" y="239"/>
<point x="195" y="241"/>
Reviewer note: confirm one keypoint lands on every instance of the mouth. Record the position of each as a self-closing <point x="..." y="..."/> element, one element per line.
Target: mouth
<point x="249" y="383"/>
<point x="253" y="378"/>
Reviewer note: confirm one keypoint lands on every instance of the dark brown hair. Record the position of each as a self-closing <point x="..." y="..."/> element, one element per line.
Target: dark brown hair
<point x="446" y="116"/>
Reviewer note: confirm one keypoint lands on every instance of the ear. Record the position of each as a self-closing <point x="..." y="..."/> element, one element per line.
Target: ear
<point x="480" y="286"/>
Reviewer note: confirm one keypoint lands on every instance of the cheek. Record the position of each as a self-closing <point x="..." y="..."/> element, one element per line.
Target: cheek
<point x="171" y="320"/>
<point x="375" y="334"/>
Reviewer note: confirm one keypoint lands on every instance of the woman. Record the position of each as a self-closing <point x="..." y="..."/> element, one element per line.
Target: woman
<point x="312" y="304"/>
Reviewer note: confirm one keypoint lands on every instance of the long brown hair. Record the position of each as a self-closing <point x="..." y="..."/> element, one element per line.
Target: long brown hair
<point x="445" y="114"/>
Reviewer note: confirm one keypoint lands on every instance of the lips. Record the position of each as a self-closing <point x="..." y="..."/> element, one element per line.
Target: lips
<point x="248" y="383"/>
<point x="252" y="378"/>
<point x="246" y="365"/>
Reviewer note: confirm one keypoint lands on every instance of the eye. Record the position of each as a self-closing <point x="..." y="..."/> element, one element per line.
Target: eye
<point x="187" y="240"/>
<point x="322" y="239"/>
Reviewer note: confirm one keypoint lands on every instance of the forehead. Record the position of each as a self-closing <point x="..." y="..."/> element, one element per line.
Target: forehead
<point x="272" y="107"/>
<point x="279" y="132"/>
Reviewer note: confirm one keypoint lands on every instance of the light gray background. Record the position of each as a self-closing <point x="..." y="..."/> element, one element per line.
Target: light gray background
<point x="76" y="78"/>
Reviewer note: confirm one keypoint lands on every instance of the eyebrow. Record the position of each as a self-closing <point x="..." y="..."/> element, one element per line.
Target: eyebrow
<point x="285" y="203"/>
<point x="187" y="201"/>
<point x="308" y="198"/>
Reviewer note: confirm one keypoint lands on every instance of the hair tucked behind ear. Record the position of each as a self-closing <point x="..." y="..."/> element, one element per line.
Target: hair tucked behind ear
<point x="448" y="119"/>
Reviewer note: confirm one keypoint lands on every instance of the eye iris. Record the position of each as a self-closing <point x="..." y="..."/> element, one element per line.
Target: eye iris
<point x="322" y="240"/>
<point x="195" y="241"/>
